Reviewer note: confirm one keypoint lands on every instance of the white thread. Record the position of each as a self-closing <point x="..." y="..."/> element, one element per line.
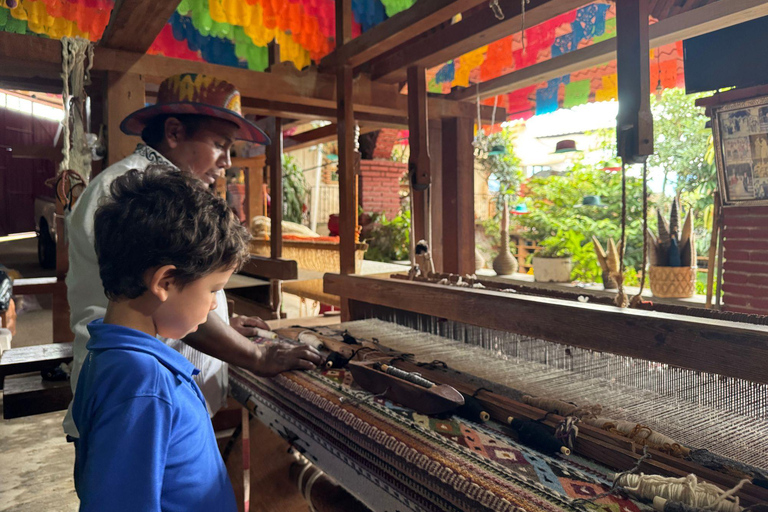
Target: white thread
<point x="687" y="490"/>
<point x="75" y="74"/>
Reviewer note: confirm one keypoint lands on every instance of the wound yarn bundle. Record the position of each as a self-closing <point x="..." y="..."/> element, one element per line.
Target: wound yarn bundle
<point x="686" y="490"/>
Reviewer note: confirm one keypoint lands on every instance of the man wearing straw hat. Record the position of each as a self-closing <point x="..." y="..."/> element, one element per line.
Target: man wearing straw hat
<point x="192" y="126"/>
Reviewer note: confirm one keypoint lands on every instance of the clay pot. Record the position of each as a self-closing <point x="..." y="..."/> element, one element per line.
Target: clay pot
<point x="505" y="264"/>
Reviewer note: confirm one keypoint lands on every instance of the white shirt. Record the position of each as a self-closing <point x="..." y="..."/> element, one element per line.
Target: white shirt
<point x="85" y="291"/>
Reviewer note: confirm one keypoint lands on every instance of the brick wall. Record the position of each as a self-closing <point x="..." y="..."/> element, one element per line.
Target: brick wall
<point x="385" y="141"/>
<point x="380" y="185"/>
<point x="745" y="270"/>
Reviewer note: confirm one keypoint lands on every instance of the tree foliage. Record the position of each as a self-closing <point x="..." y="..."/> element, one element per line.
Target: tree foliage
<point x="294" y="190"/>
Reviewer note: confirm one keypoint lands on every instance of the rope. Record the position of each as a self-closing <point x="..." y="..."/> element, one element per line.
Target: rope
<point x="522" y="21"/>
<point x="621" y="297"/>
<point x="638" y="299"/>
<point x="75" y="74"/>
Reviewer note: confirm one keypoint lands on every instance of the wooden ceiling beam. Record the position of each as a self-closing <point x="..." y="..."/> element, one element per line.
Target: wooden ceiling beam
<point x="424" y="15"/>
<point x="317" y="136"/>
<point x="135" y="24"/>
<point x="303" y="90"/>
<point x="277" y="108"/>
<point x="693" y="23"/>
<point x="472" y="32"/>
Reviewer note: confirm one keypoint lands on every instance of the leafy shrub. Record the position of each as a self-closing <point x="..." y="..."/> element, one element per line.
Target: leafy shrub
<point x="389" y="240"/>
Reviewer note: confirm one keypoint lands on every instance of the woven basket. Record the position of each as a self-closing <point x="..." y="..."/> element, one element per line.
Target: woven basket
<point x="673" y="282"/>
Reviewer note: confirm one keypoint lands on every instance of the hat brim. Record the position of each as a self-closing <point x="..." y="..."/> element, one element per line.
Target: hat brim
<point x="135" y="122"/>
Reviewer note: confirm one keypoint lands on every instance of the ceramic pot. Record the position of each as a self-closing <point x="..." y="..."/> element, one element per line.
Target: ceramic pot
<point x="505" y="263"/>
<point x="552" y="270"/>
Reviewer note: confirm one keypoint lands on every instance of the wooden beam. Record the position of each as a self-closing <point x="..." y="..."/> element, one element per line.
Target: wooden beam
<point x="134" y="24"/>
<point x="458" y="187"/>
<point x="37" y="152"/>
<point x="419" y="172"/>
<point x="634" y="121"/>
<point x="125" y="94"/>
<point x="403" y="26"/>
<point x="269" y="268"/>
<point x="679" y="340"/>
<point x="297" y="90"/>
<point x="693" y="23"/>
<point x="472" y="32"/>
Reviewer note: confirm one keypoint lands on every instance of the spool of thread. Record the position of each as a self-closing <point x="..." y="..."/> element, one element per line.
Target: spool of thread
<point x="311" y="340"/>
<point x="472" y="410"/>
<point x="537" y="436"/>
<point x="414" y="378"/>
<point x="267" y="335"/>
<point x="336" y="360"/>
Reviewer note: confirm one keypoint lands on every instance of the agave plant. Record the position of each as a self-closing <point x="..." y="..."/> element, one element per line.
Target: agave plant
<point x="674" y="246"/>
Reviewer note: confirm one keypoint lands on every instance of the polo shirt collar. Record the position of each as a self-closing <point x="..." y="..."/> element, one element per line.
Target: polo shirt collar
<point x="111" y="336"/>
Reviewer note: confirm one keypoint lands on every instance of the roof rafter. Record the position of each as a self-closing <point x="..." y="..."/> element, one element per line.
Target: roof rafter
<point x="135" y="24"/>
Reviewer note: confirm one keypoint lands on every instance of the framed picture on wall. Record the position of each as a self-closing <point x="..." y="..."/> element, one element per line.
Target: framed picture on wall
<point x="741" y="151"/>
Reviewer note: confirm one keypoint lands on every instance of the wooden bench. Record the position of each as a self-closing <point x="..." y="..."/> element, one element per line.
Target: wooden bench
<point x="26" y="393"/>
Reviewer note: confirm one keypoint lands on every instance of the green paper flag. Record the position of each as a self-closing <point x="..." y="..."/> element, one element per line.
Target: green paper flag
<point x="576" y="93"/>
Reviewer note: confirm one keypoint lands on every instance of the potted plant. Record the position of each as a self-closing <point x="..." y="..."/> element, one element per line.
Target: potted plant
<point x="673" y="255"/>
<point x="552" y="262"/>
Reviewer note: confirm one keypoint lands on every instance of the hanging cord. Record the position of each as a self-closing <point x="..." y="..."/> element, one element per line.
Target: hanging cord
<point x="638" y="299"/>
<point x="496" y="8"/>
<point x="522" y="22"/>
<point x="621" y="296"/>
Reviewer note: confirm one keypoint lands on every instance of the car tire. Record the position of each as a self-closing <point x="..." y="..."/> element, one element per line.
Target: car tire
<point x="46" y="246"/>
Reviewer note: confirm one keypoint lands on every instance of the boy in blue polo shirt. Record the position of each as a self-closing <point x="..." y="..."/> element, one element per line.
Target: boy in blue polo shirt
<point x="165" y="246"/>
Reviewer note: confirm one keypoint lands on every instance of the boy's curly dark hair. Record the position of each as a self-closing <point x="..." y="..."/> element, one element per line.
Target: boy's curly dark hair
<point x="163" y="216"/>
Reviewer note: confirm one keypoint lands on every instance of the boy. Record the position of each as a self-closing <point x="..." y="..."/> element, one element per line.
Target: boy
<point x="165" y="246"/>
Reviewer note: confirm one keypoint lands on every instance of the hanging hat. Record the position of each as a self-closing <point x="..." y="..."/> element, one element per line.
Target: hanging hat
<point x="592" y="201"/>
<point x="565" y="146"/>
<point x="196" y="94"/>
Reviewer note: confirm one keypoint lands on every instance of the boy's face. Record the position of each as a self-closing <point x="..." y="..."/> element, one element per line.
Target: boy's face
<point x="188" y="307"/>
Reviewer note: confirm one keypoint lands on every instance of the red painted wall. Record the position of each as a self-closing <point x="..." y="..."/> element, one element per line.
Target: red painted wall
<point x="21" y="180"/>
<point x="745" y="269"/>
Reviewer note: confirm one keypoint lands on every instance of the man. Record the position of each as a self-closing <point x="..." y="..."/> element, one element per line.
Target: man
<point x="192" y="126"/>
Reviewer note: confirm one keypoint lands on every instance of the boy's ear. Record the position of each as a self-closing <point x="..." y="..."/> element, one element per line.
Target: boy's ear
<point x="160" y="281"/>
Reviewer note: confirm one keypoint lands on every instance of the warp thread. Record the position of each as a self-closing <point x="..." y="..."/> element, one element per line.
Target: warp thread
<point x="640" y="434"/>
<point x="686" y="490"/>
<point x="562" y="408"/>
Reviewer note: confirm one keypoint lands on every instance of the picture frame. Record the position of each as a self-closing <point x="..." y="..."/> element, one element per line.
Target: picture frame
<point x="740" y="132"/>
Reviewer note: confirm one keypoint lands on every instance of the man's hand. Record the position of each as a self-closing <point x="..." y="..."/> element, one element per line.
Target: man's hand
<point x="247" y="325"/>
<point x="279" y="357"/>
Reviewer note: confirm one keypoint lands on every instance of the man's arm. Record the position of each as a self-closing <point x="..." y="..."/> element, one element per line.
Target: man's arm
<point x="219" y="340"/>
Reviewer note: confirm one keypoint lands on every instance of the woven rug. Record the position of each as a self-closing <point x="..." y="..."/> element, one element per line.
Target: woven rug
<point x="436" y="464"/>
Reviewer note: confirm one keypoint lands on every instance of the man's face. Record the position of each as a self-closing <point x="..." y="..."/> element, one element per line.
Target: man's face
<point x="206" y="153"/>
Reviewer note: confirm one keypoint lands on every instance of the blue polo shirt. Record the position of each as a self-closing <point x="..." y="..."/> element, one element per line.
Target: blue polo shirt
<point x="146" y="440"/>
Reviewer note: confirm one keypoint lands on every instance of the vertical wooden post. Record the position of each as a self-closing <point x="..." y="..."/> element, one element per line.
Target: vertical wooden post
<point x="60" y="304"/>
<point x="254" y="191"/>
<point x="634" y="122"/>
<point x="274" y="160"/>
<point x="345" y="123"/>
<point x="274" y="156"/>
<point x="419" y="172"/>
<point x="458" y="196"/>
<point x="125" y="95"/>
<point x="436" y="192"/>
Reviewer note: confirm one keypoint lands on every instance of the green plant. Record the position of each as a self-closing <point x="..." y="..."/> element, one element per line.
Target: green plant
<point x="389" y="240"/>
<point x="294" y="190"/>
<point x="505" y="167"/>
